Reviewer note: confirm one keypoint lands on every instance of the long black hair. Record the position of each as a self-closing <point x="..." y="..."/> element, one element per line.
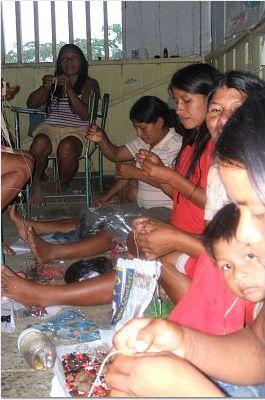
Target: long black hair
<point x="242" y="81"/>
<point x="83" y="70"/>
<point x="82" y="74"/>
<point x="196" y="79"/>
<point x="148" y="109"/>
<point x="242" y="141"/>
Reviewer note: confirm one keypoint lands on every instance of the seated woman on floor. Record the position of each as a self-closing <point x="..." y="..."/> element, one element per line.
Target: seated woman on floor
<point x="149" y="116"/>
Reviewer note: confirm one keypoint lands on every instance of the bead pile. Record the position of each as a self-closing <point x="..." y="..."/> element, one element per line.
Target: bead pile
<point x="45" y="273"/>
<point x="80" y="370"/>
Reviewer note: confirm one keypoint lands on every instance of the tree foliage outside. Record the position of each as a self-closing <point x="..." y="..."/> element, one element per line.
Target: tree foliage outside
<point x="97" y="48"/>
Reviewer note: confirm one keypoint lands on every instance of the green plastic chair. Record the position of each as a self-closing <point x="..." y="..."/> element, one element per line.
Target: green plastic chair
<point x="86" y="156"/>
<point x="102" y="116"/>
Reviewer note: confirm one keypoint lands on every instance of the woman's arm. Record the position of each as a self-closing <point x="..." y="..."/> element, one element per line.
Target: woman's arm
<point x="156" y="240"/>
<point x="238" y="358"/>
<point x="167" y="176"/>
<point x="40" y="96"/>
<point x="109" y="150"/>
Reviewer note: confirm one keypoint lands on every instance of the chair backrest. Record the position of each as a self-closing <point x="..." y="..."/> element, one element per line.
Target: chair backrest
<point x="104" y="110"/>
<point x="93" y="106"/>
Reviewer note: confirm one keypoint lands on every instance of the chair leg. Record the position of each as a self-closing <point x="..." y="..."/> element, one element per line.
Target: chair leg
<point x="27" y="201"/>
<point x="55" y="170"/>
<point x="100" y="169"/>
<point x="87" y="184"/>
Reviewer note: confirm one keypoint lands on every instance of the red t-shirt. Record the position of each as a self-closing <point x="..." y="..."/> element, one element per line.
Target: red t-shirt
<point x="186" y="215"/>
<point x="208" y="305"/>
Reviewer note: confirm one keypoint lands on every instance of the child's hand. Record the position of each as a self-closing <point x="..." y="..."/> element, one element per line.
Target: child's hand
<point x="47" y="81"/>
<point x="94" y="133"/>
<point x="151" y="335"/>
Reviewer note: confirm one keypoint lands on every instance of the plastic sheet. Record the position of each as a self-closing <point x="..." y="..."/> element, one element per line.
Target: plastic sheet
<point x="114" y="218"/>
<point x="70" y="324"/>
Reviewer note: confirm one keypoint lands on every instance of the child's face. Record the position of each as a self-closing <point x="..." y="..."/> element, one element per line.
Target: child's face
<point x="150" y="133"/>
<point x="243" y="273"/>
<point x="190" y="107"/>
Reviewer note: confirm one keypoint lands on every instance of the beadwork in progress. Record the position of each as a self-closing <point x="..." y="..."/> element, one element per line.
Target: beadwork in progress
<point x="81" y="370"/>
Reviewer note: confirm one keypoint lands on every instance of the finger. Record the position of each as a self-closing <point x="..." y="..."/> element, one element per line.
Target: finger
<point x="119" y="393"/>
<point x="126" y="337"/>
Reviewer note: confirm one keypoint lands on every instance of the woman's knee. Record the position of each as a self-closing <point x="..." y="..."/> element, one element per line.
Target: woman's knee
<point x="41" y="143"/>
<point x="70" y="147"/>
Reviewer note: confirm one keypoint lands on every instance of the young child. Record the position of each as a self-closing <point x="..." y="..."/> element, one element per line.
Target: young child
<point x="244" y="275"/>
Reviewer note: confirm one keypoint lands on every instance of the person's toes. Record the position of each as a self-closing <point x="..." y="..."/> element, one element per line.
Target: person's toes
<point x="7" y="250"/>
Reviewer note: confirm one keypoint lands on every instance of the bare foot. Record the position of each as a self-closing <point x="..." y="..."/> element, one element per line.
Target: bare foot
<point x="20" y="289"/>
<point x="20" y="223"/>
<point x="36" y="198"/>
<point x="38" y="246"/>
<point x="7" y="250"/>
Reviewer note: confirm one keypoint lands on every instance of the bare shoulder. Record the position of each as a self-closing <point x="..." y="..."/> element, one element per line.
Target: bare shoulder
<point x="91" y="84"/>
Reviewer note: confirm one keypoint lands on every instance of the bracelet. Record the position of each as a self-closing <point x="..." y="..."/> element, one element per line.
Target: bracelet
<point x="192" y="192"/>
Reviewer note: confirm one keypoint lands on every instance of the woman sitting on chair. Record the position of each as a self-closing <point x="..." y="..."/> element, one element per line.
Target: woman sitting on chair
<point x="66" y="95"/>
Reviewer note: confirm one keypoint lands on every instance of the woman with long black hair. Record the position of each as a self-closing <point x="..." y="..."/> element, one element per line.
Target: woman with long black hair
<point x="66" y="95"/>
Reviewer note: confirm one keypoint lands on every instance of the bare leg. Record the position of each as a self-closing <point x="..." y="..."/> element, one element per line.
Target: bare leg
<point x="40" y="227"/>
<point x="68" y="152"/>
<point x="88" y="247"/>
<point x="41" y="148"/>
<point x="94" y="291"/>
<point x="16" y="169"/>
<point x="173" y="282"/>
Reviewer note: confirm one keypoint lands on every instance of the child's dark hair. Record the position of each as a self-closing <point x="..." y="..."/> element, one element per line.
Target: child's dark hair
<point x="196" y="79"/>
<point x="222" y="226"/>
<point x="148" y="109"/>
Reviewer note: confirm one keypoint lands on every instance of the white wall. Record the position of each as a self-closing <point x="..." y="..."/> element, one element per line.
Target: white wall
<point x="183" y="27"/>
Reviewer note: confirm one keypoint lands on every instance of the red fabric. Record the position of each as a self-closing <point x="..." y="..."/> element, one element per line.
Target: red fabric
<point x="186" y="215"/>
<point x="207" y="300"/>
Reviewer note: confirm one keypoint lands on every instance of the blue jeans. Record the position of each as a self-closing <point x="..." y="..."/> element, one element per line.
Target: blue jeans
<point x="240" y="390"/>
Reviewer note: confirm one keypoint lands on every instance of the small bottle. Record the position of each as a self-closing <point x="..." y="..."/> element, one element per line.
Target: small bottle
<point x="37" y="349"/>
<point x="165" y="53"/>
